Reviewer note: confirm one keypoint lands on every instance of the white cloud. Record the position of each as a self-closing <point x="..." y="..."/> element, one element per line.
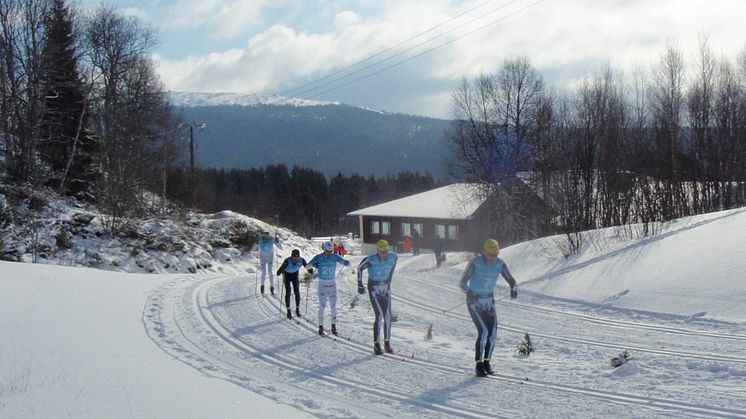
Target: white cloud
<point x="216" y="18"/>
<point x="564" y="40"/>
<point x="346" y="18"/>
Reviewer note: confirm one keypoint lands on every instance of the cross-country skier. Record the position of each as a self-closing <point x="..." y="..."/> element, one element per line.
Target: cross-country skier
<point x="478" y="282"/>
<point x="266" y="247"/>
<point x="289" y="269"/>
<point x="326" y="265"/>
<point x="380" y="266"/>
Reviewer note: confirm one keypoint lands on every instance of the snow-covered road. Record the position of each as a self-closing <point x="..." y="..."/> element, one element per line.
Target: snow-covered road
<point x="683" y="367"/>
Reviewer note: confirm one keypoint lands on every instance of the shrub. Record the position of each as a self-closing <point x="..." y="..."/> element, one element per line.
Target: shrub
<point x="242" y="236"/>
<point x="620" y="359"/>
<point x="526" y="347"/>
<point x="37" y="203"/>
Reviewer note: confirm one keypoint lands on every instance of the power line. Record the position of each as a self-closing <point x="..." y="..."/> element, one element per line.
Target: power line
<point x="427" y="51"/>
<point x="310" y="90"/>
<point x="304" y="86"/>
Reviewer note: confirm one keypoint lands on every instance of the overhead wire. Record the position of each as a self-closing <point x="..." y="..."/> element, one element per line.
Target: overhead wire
<point x="304" y="92"/>
<point x="424" y="52"/>
<point x="370" y="57"/>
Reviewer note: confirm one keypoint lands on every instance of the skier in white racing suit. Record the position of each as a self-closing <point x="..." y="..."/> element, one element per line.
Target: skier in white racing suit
<point x="326" y="266"/>
<point x="266" y="248"/>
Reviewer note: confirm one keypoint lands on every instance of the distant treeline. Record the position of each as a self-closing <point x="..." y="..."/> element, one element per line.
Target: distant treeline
<point x="300" y="198"/>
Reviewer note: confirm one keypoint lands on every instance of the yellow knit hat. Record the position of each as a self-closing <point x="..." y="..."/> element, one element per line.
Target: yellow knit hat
<point x="492" y="247"/>
<point x="382" y="245"/>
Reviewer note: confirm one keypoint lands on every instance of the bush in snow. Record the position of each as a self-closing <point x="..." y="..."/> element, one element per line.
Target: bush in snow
<point x="429" y="334"/>
<point x="526" y="347"/>
<point x="620" y="359"/>
<point x="63" y="239"/>
<point x="353" y="303"/>
<point x="241" y="235"/>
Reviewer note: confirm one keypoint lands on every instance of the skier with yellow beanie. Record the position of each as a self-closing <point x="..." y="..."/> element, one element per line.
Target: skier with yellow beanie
<point x="478" y="282"/>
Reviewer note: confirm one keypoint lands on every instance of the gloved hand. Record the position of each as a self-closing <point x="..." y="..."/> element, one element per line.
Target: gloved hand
<point x="361" y="289"/>
<point x="514" y="293"/>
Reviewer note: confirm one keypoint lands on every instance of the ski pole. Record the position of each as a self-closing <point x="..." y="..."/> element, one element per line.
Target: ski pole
<point x="456" y="306"/>
<point x="308" y="286"/>
<point x="256" y="277"/>
<point x="282" y="289"/>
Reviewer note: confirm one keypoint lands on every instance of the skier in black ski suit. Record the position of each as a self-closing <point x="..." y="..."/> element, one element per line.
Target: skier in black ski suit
<point x="478" y="282"/>
<point x="380" y="266"/>
<point x="289" y="269"/>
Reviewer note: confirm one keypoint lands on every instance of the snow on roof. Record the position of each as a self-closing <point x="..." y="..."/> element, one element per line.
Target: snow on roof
<point x="458" y="201"/>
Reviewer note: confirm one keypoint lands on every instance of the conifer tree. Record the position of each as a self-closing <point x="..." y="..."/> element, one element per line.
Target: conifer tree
<point x="67" y="145"/>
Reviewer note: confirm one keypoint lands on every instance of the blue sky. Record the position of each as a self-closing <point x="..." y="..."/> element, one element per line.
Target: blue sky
<point x="273" y="46"/>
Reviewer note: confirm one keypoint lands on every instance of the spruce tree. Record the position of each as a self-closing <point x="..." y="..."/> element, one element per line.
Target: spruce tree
<point x="67" y="144"/>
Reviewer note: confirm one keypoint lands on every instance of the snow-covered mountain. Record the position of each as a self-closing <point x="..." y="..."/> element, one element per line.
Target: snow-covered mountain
<point x="251" y="131"/>
<point x="193" y="99"/>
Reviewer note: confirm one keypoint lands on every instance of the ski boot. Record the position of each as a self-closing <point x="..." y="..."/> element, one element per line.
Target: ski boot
<point x="334" y="330"/>
<point x="297" y="311"/>
<point x="387" y="347"/>
<point x="321" y="330"/>
<point x="487" y="367"/>
<point x="377" y="348"/>
<point x="272" y="290"/>
<point x="261" y="289"/>
<point x="290" y="314"/>
<point x="479" y="370"/>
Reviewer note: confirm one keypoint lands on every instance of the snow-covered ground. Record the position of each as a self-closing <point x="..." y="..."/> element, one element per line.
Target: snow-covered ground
<point x="77" y="342"/>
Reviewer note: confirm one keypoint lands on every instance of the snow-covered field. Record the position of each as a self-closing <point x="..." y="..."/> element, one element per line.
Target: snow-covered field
<point x="87" y="343"/>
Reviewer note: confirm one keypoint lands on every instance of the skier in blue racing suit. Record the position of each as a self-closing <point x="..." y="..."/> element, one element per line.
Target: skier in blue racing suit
<point x="326" y="266"/>
<point x="380" y="266"/>
<point x="478" y="282"/>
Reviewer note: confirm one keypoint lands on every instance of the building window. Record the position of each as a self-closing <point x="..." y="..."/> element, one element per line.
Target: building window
<point x="375" y="227"/>
<point x="440" y="231"/>
<point x="385" y="227"/>
<point x="418" y="227"/>
<point x="406" y="229"/>
<point x="453" y="232"/>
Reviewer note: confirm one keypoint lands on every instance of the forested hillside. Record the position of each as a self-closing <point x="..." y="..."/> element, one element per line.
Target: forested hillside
<point x="328" y="138"/>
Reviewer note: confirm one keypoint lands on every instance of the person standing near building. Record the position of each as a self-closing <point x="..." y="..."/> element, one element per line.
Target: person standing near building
<point x="290" y="268"/>
<point x="380" y="266"/>
<point x="326" y="265"/>
<point x="266" y="248"/>
<point x="438" y="251"/>
<point x="415" y="241"/>
<point x="478" y="282"/>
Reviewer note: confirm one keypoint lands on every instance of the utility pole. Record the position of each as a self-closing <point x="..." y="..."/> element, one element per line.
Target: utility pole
<point x="191" y="157"/>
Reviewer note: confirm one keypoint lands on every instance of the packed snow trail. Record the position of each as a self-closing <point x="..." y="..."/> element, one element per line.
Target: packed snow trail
<point x="224" y="329"/>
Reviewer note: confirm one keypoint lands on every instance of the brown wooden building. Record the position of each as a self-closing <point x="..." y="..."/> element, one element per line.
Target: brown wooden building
<point x="447" y="212"/>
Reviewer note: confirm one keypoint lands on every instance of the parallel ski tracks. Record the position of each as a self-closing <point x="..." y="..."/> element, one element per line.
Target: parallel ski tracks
<point x="229" y="368"/>
<point x="203" y="355"/>
<point x="599" y="320"/>
<point x="613" y="345"/>
<point x="626" y="399"/>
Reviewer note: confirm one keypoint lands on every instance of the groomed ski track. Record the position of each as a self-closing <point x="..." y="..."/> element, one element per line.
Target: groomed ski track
<point x="222" y="327"/>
